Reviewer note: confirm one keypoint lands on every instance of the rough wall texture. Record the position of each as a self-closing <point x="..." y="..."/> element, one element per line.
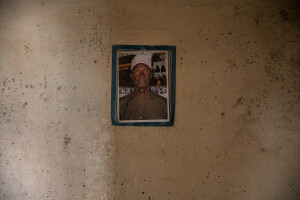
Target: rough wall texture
<point x="236" y="132"/>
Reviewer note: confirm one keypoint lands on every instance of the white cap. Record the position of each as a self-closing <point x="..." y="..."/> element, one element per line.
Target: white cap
<point x="141" y="58"/>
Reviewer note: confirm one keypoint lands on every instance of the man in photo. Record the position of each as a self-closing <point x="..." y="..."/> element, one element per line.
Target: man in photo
<point x="142" y="104"/>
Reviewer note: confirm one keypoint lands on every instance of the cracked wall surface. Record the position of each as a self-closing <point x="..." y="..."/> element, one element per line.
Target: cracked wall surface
<point x="236" y="130"/>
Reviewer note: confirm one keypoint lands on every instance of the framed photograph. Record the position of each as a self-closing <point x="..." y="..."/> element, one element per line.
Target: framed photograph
<point x="143" y="85"/>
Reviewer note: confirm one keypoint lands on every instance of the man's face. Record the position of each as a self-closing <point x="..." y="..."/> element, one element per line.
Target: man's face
<point x="141" y="76"/>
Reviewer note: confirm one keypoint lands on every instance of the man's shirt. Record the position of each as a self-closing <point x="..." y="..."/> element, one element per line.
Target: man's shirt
<point x="133" y="108"/>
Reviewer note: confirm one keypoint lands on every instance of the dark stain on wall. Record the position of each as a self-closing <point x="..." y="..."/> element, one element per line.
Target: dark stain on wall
<point x="3" y="111"/>
<point x="67" y="140"/>
<point x="25" y="104"/>
<point x="274" y="63"/>
<point x="283" y="15"/>
<point x="239" y="101"/>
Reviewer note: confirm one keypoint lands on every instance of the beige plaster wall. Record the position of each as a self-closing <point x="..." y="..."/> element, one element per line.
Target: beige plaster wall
<point x="236" y="132"/>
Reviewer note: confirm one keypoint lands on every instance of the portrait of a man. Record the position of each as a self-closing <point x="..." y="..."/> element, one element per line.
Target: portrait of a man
<point x="142" y="103"/>
<point x="143" y="85"/>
